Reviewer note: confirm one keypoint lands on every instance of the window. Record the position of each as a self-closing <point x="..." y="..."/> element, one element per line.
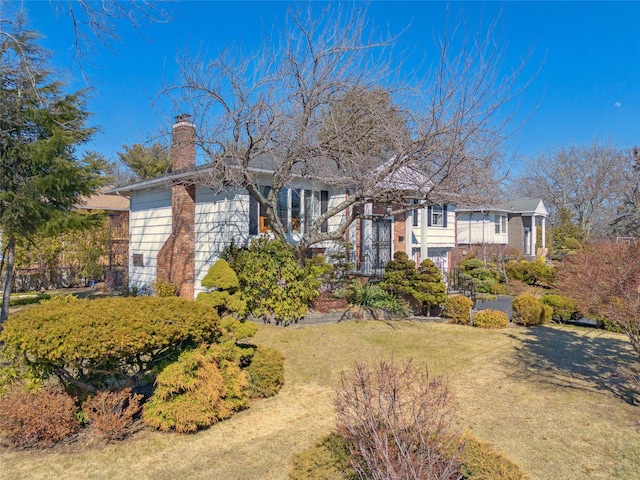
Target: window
<point x="497" y="223"/>
<point x="138" y="260"/>
<point x="503" y="222"/>
<point x="436" y="215"/>
<point x="416" y="215"/>
<point x="296" y="209"/>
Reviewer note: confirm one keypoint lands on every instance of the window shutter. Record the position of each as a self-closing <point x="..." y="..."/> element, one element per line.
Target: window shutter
<point x="253" y="216"/>
<point x="324" y="206"/>
<point x="444" y="215"/>
<point x="428" y="216"/>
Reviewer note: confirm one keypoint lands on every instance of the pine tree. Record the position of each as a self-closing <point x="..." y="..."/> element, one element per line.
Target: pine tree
<point x="400" y="275"/>
<point x="40" y="127"/>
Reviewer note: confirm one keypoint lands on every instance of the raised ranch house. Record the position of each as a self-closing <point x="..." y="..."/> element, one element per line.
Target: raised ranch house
<point x="178" y="225"/>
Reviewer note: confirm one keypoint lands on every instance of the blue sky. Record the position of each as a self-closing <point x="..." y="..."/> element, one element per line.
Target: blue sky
<point x="588" y="87"/>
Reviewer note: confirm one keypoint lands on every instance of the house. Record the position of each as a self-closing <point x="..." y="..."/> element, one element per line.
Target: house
<point x="178" y="226"/>
<point x="520" y="224"/>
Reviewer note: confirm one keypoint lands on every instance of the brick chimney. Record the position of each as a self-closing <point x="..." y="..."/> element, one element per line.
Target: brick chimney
<point x="176" y="259"/>
<point x="183" y="147"/>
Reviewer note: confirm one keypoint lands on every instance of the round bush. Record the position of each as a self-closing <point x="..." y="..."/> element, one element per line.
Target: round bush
<point x="266" y="373"/>
<point x="39" y="418"/>
<point x="457" y="309"/>
<point x="564" y="308"/>
<point x="490" y="319"/>
<point x="528" y="311"/>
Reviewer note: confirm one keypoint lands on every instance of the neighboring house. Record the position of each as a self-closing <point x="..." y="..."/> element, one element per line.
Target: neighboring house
<point x="117" y="208"/>
<point x="515" y="223"/>
<point x="178" y="227"/>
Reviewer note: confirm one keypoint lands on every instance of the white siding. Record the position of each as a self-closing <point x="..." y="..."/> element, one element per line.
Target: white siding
<point x="219" y="218"/>
<point x="149" y="227"/>
<point x="437" y="235"/>
<point x="479" y="228"/>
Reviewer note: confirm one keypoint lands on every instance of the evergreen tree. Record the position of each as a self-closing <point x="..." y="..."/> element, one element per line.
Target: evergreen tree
<point x="429" y="287"/>
<point x="40" y="127"/>
<point x="146" y="162"/>
<point x="400" y="275"/>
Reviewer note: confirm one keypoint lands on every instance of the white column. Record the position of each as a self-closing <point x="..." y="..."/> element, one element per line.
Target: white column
<point x="544" y="232"/>
<point x="424" y="246"/>
<point x="534" y="234"/>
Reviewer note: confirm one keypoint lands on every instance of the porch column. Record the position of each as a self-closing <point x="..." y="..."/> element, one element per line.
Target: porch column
<point x="534" y="235"/>
<point x="544" y="232"/>
<point x="424" y="249"/>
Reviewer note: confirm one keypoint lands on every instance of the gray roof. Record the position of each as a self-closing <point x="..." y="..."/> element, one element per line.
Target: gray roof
<point x="526" y="205"/>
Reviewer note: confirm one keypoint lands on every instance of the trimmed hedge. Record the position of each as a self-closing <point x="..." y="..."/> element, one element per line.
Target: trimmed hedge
<point x="564" y="308"/>
<point x="94" y="344"/>
<point x="457" y="310"/>
<point x="490" y="319"/>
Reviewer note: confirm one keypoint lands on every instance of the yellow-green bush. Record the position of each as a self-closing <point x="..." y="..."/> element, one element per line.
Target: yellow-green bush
<point x="266" y="373"/>
<point x="95" y="344"/>
<point x="528" y="311"/>
<point x="457" y="309"/>
<point x="490" y="319"/>
<point x="203" y="386"/>
<point x="481" y="461"/>
<point x="564" y="308"/>
<point x="165" y="289"/>
<point x="224" y="294"/>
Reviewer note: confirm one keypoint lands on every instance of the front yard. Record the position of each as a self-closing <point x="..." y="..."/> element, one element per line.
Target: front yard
<point x="549" y="397"/>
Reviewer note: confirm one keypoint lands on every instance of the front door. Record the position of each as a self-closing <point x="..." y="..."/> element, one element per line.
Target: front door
<point x="381" y="245"/>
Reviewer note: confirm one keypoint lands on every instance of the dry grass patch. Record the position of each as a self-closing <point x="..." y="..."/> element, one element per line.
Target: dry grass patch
<point x="537" y="394"/>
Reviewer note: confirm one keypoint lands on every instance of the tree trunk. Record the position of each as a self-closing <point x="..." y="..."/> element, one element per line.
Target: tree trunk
<point x="8" y="279"/>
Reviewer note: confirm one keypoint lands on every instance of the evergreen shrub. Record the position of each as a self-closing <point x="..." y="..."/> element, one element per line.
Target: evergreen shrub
<point x="224" y="290"/>
<point x="94" y="344"/>
<point x="265" y="373"/>
<point x="457" y="309"/>
<point x="564" y="308"/>
<point x="39" y="418"/>
<point x="490" y="319"/>
<point x="528" y="311"/>
<point x="165" y="289"/>
<point x="203" y="386"/>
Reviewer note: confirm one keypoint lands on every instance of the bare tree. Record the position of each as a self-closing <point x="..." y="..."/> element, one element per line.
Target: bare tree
<point x="605" y="281"/>
<point x="323" y="101"/>
<point x="583" y="180"/>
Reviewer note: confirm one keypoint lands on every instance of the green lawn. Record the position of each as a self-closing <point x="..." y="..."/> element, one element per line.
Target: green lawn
<point x="549" y="397"/>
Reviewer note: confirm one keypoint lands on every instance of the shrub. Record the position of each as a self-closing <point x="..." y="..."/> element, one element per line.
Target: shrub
<point x="564" y="308"/>
<point x="29" y="300"/>
<point x="457" y="309"/>
<point x="481" y="461"/>
<point x="224" y="294"/>
<point x="95" y="344"/>
<point x="329" y="459"/>
<point x="527" y="310"/>
<point x="429" y="287"/>
<point x="400" y="275"/>
<point x="38" y="418"/>
<point x="536" y="272"/>
<point x="398" y="420"/>
<point x="265" y="372"/>
<point x="203" y="386"/>
<point x="483" y="277"/>
<point x="490" y="319"/>
<point x="273" y="282"/>
<point x="111" y="414"/>
<point x="165" y="289"/>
